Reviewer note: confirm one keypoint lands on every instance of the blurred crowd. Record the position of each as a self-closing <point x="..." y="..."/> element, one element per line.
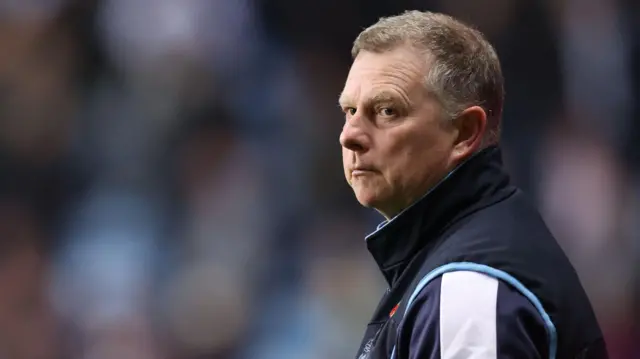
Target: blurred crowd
<point x="171" y="182"/>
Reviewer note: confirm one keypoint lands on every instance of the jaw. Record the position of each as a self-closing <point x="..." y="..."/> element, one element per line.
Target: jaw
<point x="382" y="202"/>
<point x="387" y="197"/>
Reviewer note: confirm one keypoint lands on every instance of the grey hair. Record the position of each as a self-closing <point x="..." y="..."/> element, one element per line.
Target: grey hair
<point x="465" y="70"/>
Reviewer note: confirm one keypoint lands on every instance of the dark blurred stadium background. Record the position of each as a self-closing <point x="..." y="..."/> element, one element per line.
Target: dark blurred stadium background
<point x="171" y="184"/>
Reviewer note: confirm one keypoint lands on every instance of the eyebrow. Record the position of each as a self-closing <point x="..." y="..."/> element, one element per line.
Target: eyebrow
<point x="343" y="100"/>
<point x="383" y="96"/>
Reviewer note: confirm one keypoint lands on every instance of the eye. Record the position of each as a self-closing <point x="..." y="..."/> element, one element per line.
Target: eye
<point x="350" y="111"/>
<point x="386" y="112"/>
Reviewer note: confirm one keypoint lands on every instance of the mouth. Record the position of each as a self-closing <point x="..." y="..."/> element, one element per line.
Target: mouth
<point x="362" y="171"/>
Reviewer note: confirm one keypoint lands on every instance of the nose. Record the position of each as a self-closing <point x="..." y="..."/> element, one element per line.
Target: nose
<point x="353" y="137"/>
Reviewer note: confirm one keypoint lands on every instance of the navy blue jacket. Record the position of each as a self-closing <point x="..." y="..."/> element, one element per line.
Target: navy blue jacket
<point x="474" y="273"/>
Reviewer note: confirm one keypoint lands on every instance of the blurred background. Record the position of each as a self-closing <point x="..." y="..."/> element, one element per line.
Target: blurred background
<point x="171" y="183"/>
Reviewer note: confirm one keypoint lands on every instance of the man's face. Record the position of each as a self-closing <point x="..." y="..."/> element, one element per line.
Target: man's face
<point x="395" y="142"/>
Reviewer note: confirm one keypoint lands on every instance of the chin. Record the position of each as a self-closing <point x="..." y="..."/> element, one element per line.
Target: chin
<point x="368" y="199"/>
<point x="378" y="200"/>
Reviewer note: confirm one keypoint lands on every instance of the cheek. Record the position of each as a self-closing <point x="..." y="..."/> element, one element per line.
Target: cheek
<point x="406" y="152"/>
<point x="415" y="157"/>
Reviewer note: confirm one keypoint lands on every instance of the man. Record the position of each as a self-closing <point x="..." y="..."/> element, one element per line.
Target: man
<point x="473" y="272"/>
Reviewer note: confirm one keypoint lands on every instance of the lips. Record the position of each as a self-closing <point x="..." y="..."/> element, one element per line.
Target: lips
<point x="361" y="171"/>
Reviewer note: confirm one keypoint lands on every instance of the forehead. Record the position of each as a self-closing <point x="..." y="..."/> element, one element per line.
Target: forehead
<point x="400" y="70"/>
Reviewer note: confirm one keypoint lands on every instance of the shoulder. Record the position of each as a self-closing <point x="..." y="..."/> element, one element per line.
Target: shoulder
<point x="472" y="315"/>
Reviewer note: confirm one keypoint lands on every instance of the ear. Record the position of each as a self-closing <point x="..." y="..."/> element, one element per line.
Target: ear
<point x="471" y="126"/>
